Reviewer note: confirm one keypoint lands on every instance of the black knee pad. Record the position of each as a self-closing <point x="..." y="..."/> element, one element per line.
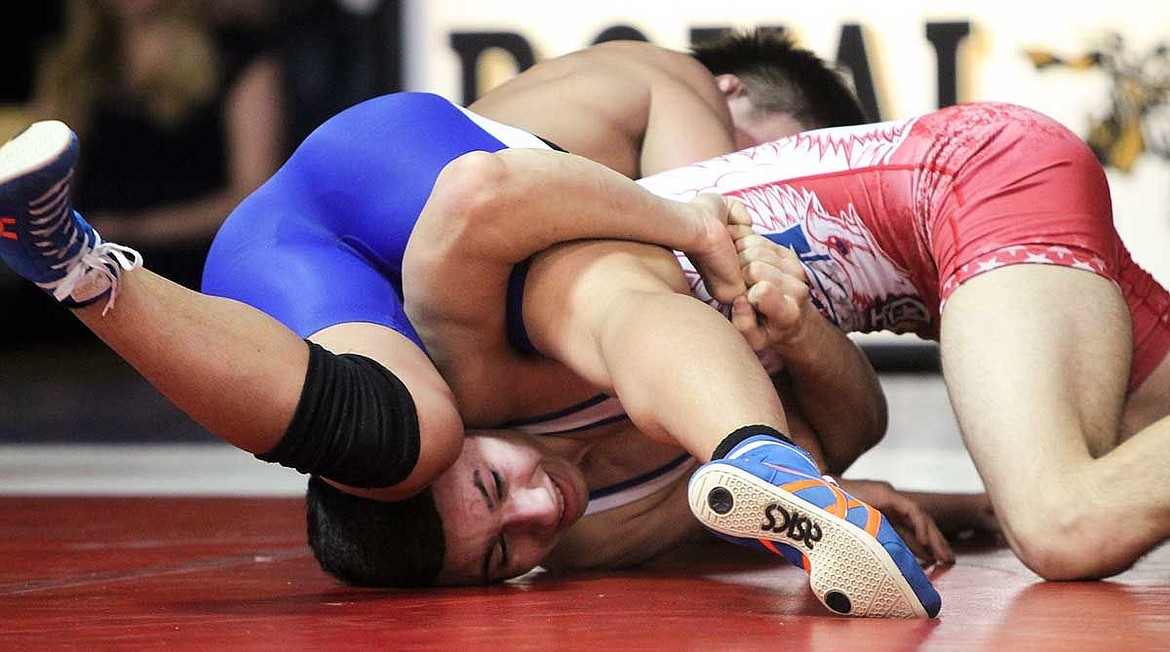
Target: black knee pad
<point x="355" y="423"/>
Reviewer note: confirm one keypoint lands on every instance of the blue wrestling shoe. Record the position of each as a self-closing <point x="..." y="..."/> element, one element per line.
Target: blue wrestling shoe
<point x="41" y="237"/>
<point x="768" y="493"/>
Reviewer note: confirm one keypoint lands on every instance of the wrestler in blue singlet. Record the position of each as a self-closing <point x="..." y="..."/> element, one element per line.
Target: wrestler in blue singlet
<point x="321" y="242"/>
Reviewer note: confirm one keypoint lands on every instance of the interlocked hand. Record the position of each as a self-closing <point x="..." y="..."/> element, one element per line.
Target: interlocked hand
<point x="715" y="255"/>
<point x="773" y="312"/>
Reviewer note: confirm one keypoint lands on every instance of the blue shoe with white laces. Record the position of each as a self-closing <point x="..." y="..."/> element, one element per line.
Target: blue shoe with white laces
<point x="41" y="237"/>
<point x="767" y="493"/>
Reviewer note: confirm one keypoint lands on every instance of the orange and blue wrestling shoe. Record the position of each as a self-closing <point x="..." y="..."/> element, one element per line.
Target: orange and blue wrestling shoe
<point x="768" y="493"/>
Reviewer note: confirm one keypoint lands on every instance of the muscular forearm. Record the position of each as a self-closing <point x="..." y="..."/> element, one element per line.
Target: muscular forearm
<point x="800" y="431"/>
<point x="516" y="202"/>
<point x="836" y="389"/>
<point x="831" y="381"/>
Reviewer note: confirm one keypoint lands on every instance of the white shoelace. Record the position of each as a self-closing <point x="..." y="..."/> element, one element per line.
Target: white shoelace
<point x="102" y="259"/>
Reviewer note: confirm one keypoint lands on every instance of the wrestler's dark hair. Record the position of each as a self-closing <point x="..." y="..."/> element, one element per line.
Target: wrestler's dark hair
<point x="367" y="542"/>
<point x="778" y="76"/>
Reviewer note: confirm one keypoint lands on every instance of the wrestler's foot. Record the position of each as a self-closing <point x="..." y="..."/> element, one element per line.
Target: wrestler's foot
<point x="769" y="494"/>
<point x="41" y="237"/>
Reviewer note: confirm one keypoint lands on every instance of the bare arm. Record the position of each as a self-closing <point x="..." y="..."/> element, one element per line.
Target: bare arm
<point x="618" y="313"/>
<point x="488" y="212"/>
<point x="634" y="107"/>
<point x="961" y="516"/>
<point x="688" y="119"/>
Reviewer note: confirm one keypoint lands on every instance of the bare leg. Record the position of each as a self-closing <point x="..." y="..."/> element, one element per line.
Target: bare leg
<point x="1036" y="360"/>
<point x="239" y="373"/>
<point x="628" y="323"/>
<point x="620" y="314"/>
<point x="231" y="368"/>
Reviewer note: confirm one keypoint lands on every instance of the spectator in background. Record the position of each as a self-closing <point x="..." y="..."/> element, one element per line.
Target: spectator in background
<point x="183" y="116"/>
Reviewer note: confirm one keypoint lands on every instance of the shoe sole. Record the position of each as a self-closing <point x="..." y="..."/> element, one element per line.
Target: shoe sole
<point x="851" y="573"/>
<point x="33" y="149"/>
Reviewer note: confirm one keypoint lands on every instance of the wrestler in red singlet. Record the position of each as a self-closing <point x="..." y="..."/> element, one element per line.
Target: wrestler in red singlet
<point x="890" y="218"/>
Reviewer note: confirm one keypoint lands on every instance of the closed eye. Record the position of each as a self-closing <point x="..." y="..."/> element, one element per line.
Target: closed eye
<point x="500" y="488"/>
<point x="499" y="485"/>
<point x="493" y="496"/>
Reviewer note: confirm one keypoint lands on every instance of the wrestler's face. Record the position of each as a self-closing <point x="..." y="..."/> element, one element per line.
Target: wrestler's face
<point x="505" y="503"/>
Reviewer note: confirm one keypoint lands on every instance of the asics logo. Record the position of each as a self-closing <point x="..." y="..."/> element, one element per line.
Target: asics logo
<point x="4" y="223"/>
<point x="794" y="525"/>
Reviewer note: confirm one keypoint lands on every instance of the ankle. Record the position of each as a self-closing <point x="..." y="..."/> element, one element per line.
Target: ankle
<point x="740" y="434"/>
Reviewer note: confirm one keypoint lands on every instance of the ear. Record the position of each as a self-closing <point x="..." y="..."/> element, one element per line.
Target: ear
<point x="729" y="85"/>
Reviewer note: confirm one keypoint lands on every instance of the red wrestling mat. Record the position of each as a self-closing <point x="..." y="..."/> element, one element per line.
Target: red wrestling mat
<point x="216" y="574"/>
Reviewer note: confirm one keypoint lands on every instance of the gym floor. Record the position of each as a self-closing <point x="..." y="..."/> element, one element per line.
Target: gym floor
<point x="126" y="527"/>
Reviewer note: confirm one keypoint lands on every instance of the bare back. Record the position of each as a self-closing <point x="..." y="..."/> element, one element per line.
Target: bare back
<point x="631" y="106"/>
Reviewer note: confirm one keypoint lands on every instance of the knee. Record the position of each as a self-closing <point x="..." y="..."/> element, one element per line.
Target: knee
<point x="1062" y="541"/>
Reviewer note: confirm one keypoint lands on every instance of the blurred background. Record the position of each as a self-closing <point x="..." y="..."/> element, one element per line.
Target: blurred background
<point x="185" y="105"/>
